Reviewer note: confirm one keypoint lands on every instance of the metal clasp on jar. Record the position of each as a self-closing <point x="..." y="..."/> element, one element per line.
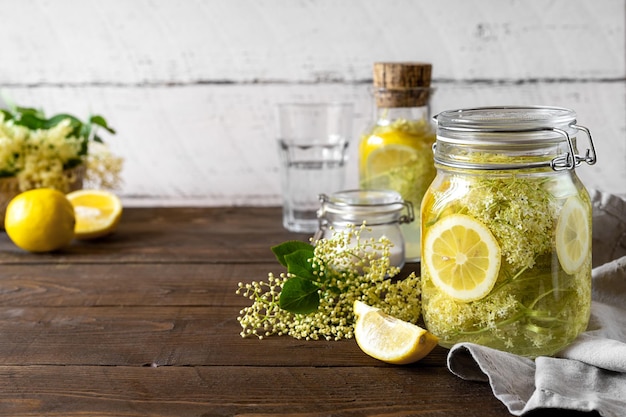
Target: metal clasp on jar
<point x="570" y="160"/>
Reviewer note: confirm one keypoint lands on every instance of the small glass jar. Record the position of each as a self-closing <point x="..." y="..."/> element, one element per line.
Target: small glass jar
<point x="395" y="152"/>
<point x="506" y="230"/>
<point x="382" y="211"/>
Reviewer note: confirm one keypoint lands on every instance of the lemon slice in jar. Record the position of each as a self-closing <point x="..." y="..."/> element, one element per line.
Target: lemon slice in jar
<point x="573" y="239"/>
<point x="389" y="339"/>
<point x="382" y="160"/>
<point x="462" y="257"/>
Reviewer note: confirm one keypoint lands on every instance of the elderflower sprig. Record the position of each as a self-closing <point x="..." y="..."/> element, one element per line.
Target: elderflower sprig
<point x="314" y="298"/>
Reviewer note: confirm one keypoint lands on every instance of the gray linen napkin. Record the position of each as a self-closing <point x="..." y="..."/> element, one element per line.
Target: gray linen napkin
<point x="588" y="375"/>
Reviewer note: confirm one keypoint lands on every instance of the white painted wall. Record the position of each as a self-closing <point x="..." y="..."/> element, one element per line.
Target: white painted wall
<point x="190" y="84"/>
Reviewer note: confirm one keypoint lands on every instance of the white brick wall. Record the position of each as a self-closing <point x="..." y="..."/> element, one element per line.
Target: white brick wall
<point x="190" y="85"/>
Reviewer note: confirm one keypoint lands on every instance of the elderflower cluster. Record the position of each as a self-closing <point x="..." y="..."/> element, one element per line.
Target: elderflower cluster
<point x="519" y="212"/>
<point x="42" y="157"/>
<point x="37" y="158"/>
<point x="264" y="316"/>
<point x="351" y="268"/>
<point x="103" y="167"/>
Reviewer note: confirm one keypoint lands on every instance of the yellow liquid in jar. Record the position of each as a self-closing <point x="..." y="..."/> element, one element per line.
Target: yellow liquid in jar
<point x="535" y="307"/>
<point x="399" y="157"/>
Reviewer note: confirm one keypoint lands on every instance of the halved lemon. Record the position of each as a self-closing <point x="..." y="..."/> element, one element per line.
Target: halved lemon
<point x="98" y="213"/>
<point x="462" y="257"/>
<point x="573" y="239"/>
<point x="389" y="339"/>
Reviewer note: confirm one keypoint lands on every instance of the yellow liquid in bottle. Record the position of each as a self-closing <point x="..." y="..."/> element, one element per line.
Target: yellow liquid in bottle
<point x="399" y="157"/>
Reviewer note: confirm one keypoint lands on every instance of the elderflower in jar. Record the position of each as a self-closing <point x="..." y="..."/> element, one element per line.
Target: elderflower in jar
<point x="506" y="230"/>
<point x="381" y="211"/>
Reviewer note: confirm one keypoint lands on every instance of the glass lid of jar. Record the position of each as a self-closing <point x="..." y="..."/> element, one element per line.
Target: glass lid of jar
<point x="506" y="118"/>
<point x="516" y="128"/>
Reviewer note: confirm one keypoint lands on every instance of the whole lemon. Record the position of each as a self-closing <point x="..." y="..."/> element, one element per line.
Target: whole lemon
<point x="40" y="220"/>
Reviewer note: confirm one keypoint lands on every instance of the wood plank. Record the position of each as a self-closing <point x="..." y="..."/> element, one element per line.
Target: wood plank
<point x="168" y="391"/>
<point x="160" y="336"/>
<point x="205" y="235"/>
<point x="253" y="391"/>
<point x="110" y="284"/>
<point x="129" y="284"/>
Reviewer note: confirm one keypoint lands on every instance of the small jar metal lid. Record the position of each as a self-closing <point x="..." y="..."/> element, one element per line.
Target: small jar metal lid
<point x="372" y="206"/>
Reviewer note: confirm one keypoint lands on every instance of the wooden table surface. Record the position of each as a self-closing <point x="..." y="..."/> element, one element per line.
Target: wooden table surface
<point x="143" y="323"/>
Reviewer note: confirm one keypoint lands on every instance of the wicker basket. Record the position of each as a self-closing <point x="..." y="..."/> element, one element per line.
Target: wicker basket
<point x="9" y="188"/>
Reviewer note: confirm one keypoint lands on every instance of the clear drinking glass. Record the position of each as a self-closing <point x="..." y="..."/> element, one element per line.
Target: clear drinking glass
<point x="312" y="143"/>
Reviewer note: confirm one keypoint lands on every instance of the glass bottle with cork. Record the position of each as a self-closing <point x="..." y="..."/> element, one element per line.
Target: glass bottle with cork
<point x="396" y="153"/>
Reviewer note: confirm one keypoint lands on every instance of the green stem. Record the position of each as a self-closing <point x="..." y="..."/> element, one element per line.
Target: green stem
<point x="525" y="312"/>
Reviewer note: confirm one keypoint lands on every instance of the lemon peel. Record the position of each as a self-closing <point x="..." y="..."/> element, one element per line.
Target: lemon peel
<point x="573" y="239"/>
<point x="40" y="220"/>
<point x="389" y="339"/>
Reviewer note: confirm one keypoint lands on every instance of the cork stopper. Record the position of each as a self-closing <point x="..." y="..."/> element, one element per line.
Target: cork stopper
<point x="402" y="84"/>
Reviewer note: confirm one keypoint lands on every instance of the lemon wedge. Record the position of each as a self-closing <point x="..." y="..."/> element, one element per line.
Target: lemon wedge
<point x="462" y="257"/>
<point x="573" y="239"/>
<point x="389" y="339"/>
<point x="40" y="220"/>
<point x="98" y="213"/>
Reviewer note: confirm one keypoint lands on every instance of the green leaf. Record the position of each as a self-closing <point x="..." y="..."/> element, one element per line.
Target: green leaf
<point x="7" y="114"/>
<point x="299" y="296"/>
<point x="299" y="264"/>
<point x="100" y="121"/>
<point x="55" y="120"/>
<point x="30" y="111"/>
<point x="35" y="119"/>
<point x="288" y="247"/>
<point x="30" y="121"/>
